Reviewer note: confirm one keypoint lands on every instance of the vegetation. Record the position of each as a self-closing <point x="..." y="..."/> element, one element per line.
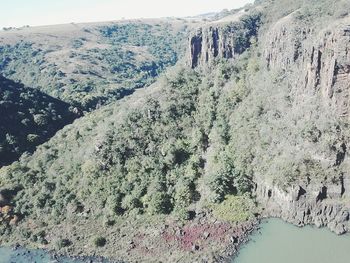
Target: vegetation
<point x="143" y="156"/>
<point x="195" y="140"/>
<point x="235" y="209"/>
<point x="312" y="12"/>
<point x="98" y="64"/>
<point x="100" y="241"/>
<point x="28" y="118"/>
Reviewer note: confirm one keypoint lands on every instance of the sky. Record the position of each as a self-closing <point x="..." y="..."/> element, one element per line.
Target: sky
<point x="17" y="13"/>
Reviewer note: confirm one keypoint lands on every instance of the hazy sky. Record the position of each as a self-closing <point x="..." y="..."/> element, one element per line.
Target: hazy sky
<point x="43" y="12"/>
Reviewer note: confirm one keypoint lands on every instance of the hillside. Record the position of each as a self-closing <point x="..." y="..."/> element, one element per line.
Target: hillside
<point x="89" y="65"/>
<point x="253" y="124"/>
<point x="28" y="118"/>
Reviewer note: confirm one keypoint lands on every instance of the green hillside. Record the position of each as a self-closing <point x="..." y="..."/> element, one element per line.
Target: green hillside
<point x="158" y="173"/>
<point x="28" y="118"/>
<point x="89" y="65"/>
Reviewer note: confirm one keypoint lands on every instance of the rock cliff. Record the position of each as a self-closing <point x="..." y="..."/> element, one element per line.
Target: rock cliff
<point x="320" y="59"/>
<point x="318" y="63"/>
<point x="210" y="43"/>
<point x="222" y="40"/>
<point x="317" y="59"/>
<point x="308" y="202"/>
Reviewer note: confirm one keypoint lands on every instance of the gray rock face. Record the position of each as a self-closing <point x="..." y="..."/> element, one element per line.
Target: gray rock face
<point x="317" y="62"/>
<point x="222" y="40"/>
<point x="323" y="204"/>
<point x="321" y="59"/>
<point x="328" y="68"/>
<point x="210" y="43"/>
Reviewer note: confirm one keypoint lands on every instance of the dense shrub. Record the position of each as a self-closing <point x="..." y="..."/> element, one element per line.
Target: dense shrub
<point x="28" y="118"/>
<point x="132" y="56"/>
<point x="100" y="241"/>
<point x="62" y="243"/>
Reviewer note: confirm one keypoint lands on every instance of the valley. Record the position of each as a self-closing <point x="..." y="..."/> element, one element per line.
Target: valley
<point x="178" y="136"/>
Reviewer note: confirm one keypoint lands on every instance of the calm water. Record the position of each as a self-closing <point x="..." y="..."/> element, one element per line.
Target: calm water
<point x="279" y="242"/>
<point x="276" y="242"/>
<point x="21" y="255"/>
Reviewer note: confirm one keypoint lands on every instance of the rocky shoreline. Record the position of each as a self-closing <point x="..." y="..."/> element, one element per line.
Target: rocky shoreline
<point x="234" y="250"/>
<point x="313" y="202"/>
<point x="241" y="238"/>
<point x="203" y="239"/>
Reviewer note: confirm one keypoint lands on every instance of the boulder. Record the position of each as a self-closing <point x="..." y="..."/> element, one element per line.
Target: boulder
<point x="14" y="220"/>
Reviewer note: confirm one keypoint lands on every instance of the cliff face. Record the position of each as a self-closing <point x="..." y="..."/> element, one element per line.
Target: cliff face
<point x="222" y="40"/>
<point x="319" y="65"/>
<point x="317" y="62"/>
<point x="328" y="68"/>
<point x="308" y="202"/>
<point x="320" y="59"/>
<point x="210" y="43"/>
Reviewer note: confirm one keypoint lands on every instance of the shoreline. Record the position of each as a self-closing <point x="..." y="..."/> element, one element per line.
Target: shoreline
<point x="183" y="244"/>
<point x="246" y="239"/>
<point x="204" y="239"/>
<point x="21" y="251"/>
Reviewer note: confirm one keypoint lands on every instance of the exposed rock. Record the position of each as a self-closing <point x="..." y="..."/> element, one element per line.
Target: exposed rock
<point x="210" y="43"/>
<point x="222" y="40"/>
<point x="196" y="48"/>
<point x="317" y="64"/>
<point x="283" y="43"/>
<point x="322" y="60"/>
<point x="319" y="203"/>
<point x="297" y="193"/>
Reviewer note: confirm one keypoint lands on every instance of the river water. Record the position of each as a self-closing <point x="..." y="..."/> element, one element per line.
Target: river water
<point x="279" y="242"/>
<point x="22" y="255"/>
<point x="275" y="242"/>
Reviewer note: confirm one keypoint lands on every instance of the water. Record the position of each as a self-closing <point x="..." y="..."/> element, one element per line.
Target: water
<point x="276" y="242"/>
<point x="279" y="242"/>
<point x="21" y="255"/>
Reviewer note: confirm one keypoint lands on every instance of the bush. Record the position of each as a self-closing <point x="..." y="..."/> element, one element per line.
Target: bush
<point x="235" y="209"/>
<point x="23" y="123"/>
<point x="62" y="243"/>
<point x="100" y="241"/>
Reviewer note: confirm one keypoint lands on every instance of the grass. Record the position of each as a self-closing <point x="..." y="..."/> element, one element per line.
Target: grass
<point x="235" y="209"/>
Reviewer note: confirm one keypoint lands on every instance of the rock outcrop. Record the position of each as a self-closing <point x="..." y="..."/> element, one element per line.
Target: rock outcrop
<point x="210" y="43"/>
<point x="324" y="204"/>
<point x="222" y="40"/>
<point x="319" y="62"/>
<point x="316" y="62"/>
<point x="328" y="68"/>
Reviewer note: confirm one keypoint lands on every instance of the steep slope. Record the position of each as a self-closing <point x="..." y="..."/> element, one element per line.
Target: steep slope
<point x="135" y="161"/>
<point x="28" y="118"/>
<point x="289" y="133"/>
<point x="315" y="65"/>
<point x="89" y="65"/>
